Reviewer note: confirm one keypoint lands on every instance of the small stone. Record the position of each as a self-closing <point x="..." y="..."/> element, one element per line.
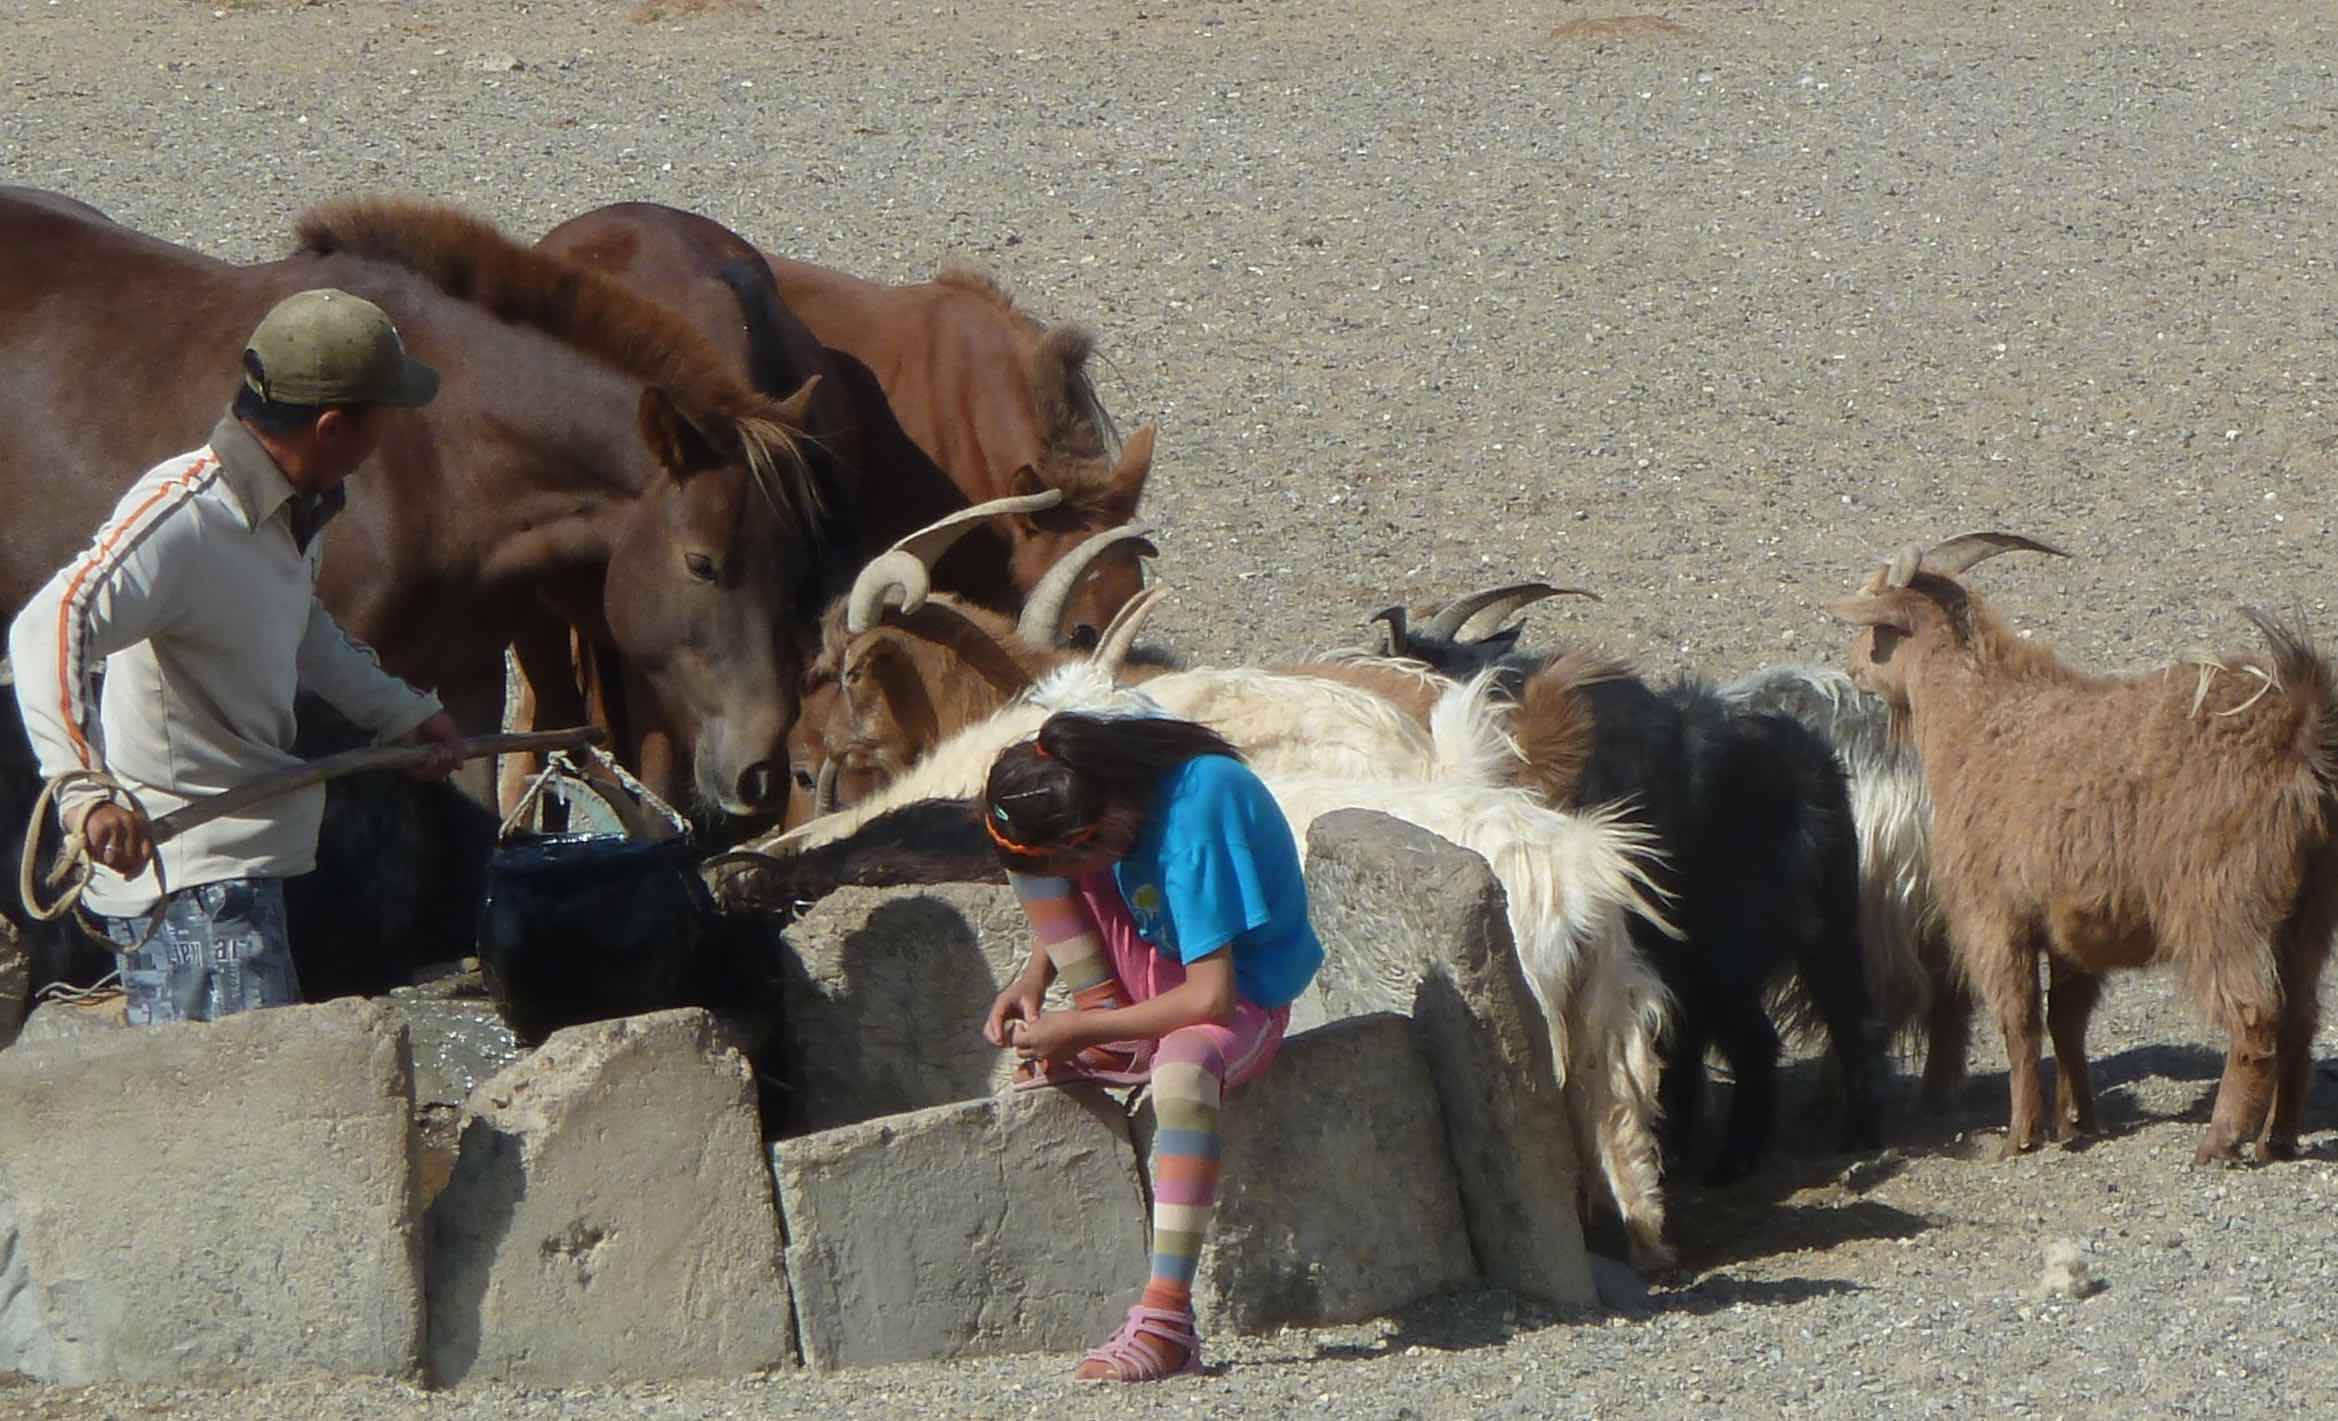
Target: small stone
<point x="2067" y="1274"/>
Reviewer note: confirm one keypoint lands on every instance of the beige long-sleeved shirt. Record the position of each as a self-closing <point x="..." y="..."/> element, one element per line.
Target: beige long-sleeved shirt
<point x="198" y="597"/>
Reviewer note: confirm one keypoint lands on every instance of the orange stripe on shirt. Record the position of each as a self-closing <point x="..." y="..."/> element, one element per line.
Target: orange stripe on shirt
<point x="109" y="539"/>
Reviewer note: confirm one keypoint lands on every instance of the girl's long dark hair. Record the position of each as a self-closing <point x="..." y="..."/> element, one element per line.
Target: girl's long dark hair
<point x="1059" y="788"/>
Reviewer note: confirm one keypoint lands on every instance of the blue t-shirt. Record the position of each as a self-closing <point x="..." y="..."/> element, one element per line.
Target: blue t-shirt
<point x="1216" y="864"/>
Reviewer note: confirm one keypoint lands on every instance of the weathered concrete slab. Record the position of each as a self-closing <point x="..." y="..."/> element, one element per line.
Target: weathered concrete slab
<point x="227" y="1201"/>
<point x="73" y="1021"/>
<point x="1413" y="923"/>
<point x="1011" y="1223"/>
<point x="1338" y="1201"/>
<point x="886" y="992"/>
<point x="610" y="1216"/>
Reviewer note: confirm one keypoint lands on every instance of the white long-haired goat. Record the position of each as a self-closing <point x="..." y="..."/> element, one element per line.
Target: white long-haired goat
<point x="1569" y="879"/>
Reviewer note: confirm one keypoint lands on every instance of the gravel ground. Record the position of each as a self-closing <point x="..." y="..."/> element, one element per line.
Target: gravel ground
<point x="1705" y="313"/>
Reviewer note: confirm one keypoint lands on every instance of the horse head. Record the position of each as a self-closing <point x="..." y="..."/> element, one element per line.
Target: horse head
<point x="710" y="570"/>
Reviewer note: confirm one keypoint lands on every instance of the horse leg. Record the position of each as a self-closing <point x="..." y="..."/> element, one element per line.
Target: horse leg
<point x="541" y="680"/>
<point x="2071" y="995"/>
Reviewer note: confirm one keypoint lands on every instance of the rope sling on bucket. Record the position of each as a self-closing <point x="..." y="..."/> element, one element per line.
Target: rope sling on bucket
<point x="74" y="866"/>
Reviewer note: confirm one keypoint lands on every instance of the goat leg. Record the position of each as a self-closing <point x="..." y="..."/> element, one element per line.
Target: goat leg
<point x="2012" y="989"/>
<point x="2305" y="951"/>
<point x="2244" y="1096"/>
<point x="2071" y="994"/>
<point x="1948" y="1042"/>
<point x="1750" y="1044"/>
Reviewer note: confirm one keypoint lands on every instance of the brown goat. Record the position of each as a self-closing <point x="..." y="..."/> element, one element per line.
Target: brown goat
<point x="2181" y="815"/>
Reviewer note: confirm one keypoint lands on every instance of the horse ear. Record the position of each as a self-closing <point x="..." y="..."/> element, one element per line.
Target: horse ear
<point x="793" y="410"/>
<point x="680" y="445"/>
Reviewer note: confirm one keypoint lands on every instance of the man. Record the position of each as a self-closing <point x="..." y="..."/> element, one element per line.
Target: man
<point x="198" y="597"/>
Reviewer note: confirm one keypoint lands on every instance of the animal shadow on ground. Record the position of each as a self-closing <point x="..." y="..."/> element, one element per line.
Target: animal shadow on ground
<point x="1810" y="1194"/>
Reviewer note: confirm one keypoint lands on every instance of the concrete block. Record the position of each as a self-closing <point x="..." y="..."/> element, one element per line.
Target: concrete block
<point x="1013" y="1223"/>
<point x="610" y="1216"/>
<point x="218" y="1202"/>
<point x="71" y="1021"/>
<point x="885" y="993"/>
<point x="1415" y="924"/>
<point x="1304" y="1235"/>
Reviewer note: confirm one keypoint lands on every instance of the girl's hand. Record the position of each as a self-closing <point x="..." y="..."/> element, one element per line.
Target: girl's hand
<point x="1049" y="1036"/>
<point x="1018" y="1003"/>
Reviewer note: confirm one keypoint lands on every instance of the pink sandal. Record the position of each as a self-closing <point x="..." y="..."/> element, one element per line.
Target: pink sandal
<point x="1132" y="1361"/>
<point x="1122" y="1063"/>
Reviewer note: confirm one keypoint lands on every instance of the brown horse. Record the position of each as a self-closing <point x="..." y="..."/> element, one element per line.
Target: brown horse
<point x="886" y="479"/>
<point x="991" y="404"/>
<point x="999" y="401"/>
<point x="587" y="452"/>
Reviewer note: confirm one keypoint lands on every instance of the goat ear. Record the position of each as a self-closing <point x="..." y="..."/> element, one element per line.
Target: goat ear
<point x="679" y="443"/>
<point x="1867" y="611"/>
<point x="1127" y="483"/>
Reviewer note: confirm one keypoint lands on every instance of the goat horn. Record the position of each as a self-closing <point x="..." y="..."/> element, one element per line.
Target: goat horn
<point x="1039" y="627"/>
<point x="1526" y="594"/>
<point x="824" y="788"/>
<point x="1395" y="618"/>
<point x="903" y="573"/>
<point x="1459" y="612"/>
<point x="1113" y="647"/>
<point x="1963" y="552"/>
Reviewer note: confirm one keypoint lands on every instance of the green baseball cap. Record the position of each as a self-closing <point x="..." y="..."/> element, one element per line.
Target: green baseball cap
<point x="327" y="347"/>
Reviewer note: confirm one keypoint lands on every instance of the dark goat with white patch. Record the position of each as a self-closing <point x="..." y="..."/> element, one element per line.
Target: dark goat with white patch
<point x="1754" y="821"/>
<point x="2187" y="815"/>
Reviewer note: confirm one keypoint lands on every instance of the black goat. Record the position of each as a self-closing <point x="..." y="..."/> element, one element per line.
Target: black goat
<point x="1762" y="859"/>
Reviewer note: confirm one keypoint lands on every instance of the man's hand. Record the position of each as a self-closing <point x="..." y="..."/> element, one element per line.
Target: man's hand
<point x="446" y="747"/>
<point x="117" y="839"/>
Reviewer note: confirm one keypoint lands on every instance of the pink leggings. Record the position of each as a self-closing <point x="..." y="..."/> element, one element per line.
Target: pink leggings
<point x="1235" y="1053"/>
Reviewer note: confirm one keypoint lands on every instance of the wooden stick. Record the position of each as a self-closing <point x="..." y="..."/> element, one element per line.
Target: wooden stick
<point x="350" y="762"/>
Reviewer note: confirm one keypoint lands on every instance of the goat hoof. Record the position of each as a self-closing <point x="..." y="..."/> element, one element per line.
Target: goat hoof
<point x="1652" y="1261"/>
<point x="2223" y="1156"/>
<point x="2012" y="1148"/>
<point x="2276" y="1149"/>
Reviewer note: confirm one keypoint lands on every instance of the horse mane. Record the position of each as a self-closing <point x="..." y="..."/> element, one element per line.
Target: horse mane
<point x="1079" y="430"/>
<point x="471" y="260"/>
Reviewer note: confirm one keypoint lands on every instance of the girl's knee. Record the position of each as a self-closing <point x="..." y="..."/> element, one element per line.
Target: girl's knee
<point x="1205" y="1047"/>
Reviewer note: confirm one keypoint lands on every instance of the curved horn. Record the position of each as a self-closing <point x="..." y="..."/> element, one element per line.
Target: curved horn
<point x="1395" y="618"/>
<point x="824" y="788"/>
<point x="1039" y="626"/>
<point x="1450" y="618"/>
<point x="1113" y="647"/>
<point x="902" y="575"/>
<point x="1494" y="613"/>
<point x="1962" y="552"/>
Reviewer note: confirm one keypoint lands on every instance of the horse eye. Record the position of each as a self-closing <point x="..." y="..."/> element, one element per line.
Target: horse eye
<point x="701" y="566"/>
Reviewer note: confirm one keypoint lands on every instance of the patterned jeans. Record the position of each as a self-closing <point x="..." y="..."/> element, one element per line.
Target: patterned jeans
<point x="221" y="949"/>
